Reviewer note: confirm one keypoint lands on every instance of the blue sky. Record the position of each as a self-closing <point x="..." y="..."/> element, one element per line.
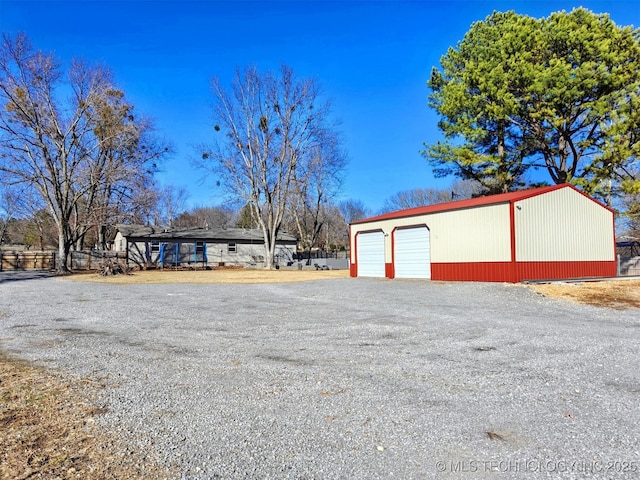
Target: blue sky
<point x="372" y="58"/>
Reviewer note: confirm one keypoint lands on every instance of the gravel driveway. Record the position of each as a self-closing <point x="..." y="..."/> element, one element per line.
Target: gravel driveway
<point x="347" y="378"/>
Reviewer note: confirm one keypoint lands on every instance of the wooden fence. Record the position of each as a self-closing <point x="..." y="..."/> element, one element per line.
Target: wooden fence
<point x="27" y="261"/>
<point x="48" y="260"/>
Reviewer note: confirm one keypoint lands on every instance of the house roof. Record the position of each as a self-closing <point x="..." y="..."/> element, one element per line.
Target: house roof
<point x="194" y="234"/>
<point x="472" y="202"/>
<point x="139" y="230"/>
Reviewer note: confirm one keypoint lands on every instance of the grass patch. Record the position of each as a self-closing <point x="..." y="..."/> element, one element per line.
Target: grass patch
<point x="47" y="430"/>
<point x="620" y="295"/>
<point x="212" y="276"/>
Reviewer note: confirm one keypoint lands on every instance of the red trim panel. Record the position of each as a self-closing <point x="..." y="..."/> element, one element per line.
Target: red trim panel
<point x="473" y="272"/>
<point x="389" y="271"/>
<point x="353" y="270"/>
<point x="559" y="270"/>
<point x="504" y="271"/>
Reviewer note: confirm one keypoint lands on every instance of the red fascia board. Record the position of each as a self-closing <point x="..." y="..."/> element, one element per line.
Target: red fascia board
<point x="474" y="202"/>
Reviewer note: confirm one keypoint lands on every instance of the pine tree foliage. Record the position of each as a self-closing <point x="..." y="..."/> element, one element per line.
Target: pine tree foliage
<point x="560" y="93"/>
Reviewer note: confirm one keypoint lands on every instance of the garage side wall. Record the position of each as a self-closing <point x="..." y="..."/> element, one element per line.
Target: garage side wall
<point x="563" y="234"/>
<point x="472" y="235"/>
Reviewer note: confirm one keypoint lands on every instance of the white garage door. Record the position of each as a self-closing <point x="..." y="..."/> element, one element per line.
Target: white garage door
<point x="411" y="253"/>
<point x="370" y="254"/>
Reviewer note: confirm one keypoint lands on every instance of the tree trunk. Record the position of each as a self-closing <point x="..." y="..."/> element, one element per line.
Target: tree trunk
<point x="79" y="243"/>
<point x="102" y="237"/>
<point x="63" y="252"/>
<point x="269" y="247"/>
<point x="272" y="255"/>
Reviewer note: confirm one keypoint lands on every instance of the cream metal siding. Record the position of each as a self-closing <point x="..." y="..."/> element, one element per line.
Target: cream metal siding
<point x="478" y="234"/>
<point x="562" y="225"/>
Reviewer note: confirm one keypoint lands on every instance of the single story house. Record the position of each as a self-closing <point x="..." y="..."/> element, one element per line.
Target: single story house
<point x="163" y="246"/>
<point x="554" y="232"/>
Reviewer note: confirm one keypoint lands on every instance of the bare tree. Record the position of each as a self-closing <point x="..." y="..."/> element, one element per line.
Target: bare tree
<point x="172" y="202"/>
<point x="419" y="197"/>
<point x="73" y="153"/>
<point x="353" y="209"/>
<point x="414" y="198"/>
<point x="269" y="125"/>
<point x="35" y="225"/>
<point x="38" y="230"/>
<point x="220" y="216"/>
<point x="4" y="225"/>
<point x="127" y="160"/>
<point x="317" y="182"/>
<point x="122" y="203"/>
<point x="143" y="206"/>
<point x="8" y="208"/>
<point x="336" y="229"/>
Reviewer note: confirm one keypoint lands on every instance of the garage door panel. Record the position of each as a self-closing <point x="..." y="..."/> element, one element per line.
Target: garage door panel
<point x="370" y="254"/>
<point x="412" y="253"/>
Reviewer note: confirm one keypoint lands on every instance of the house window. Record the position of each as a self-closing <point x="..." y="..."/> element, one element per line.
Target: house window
<point x="231" y="247"/>
<point x="155" y="247"/>
<point x="199" y="247"/>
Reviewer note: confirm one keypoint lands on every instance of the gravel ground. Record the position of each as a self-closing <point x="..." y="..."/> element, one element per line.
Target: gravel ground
<point x="347" y="378"/>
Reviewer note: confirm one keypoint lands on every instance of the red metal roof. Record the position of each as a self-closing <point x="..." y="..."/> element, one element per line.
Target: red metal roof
<point x="470" y="203"/>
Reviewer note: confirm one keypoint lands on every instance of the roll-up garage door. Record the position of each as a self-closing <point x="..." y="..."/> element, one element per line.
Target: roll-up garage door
<point x="370" y="254"/>
<point x="411" y="253"/>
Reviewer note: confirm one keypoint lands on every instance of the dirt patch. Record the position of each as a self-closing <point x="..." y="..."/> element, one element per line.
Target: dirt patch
<point x="619" y="295"/>
<point x="48" y="430"/>
<point x="212" y="276"/>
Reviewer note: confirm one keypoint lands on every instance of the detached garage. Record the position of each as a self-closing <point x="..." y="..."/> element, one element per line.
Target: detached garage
<point x="544" y="233"/>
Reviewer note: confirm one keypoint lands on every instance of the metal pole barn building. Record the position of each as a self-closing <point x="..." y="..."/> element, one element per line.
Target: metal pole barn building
<point x="551" y="232"/>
